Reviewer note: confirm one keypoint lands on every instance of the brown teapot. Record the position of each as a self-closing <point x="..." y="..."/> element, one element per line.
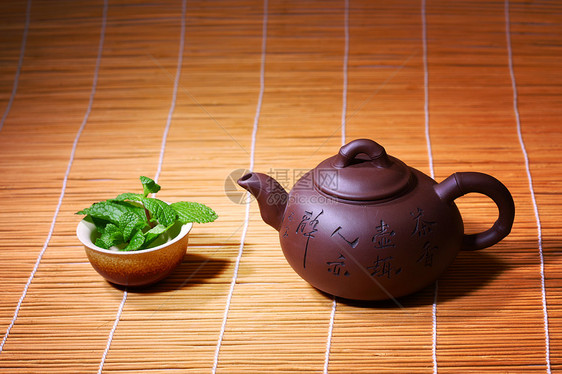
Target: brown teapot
<point x="363" y="225"/>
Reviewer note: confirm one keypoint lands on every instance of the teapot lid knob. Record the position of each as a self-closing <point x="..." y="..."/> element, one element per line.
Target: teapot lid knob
<point x="348" y="152"/>
<point x="352" y="176"/>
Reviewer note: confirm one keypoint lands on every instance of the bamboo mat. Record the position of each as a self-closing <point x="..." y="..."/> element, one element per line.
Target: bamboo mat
<point x="94" y="94"/>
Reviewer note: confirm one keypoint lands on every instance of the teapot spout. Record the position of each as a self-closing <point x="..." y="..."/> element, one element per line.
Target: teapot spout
<point x="271" y="197"/>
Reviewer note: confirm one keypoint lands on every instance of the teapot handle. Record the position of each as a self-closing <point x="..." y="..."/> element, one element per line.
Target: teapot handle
<point x="460" y="184"/>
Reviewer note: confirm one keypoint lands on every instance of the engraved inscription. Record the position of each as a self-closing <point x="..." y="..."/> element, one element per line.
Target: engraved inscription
<point x="384" y="235"/>
<point x="352" y="243"/>
<point x="382" y="267"/>
<point x="307" y="227"/>
<point x="337" y="268"/>
<point x="427" y="254"/>
<point x="423" y="227"/>
<point x="286" y="228"/>
<point x="290" y="217"/>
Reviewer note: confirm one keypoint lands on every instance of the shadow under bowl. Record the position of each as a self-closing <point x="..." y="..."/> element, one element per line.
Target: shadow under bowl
<point x="135" y="268"/>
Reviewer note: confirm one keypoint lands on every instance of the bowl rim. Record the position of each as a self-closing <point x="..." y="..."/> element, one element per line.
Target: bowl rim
<point x="85" y="228"/>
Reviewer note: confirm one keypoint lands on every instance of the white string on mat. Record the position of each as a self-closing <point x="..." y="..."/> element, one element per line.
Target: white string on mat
<point x="432" y="173"/>
<point x="345" y="64"/>
<point x="330" y="333"/>
<point x="531" y="188"/>
<point x="20" y="63"/>
<point x="343" y="136"/>
<point x="247" y="211"/>
<point x="112" y="332"/>
<point x="64" y="183"/>
<point x="159" y="169"/>
<point x="174" y="93"/>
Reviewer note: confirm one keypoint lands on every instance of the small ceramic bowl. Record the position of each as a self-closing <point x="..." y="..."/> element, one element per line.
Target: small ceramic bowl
<point x="135" y="268"/>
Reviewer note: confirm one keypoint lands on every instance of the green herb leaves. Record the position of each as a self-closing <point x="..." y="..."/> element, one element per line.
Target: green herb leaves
<point x="110" y="235"/>
<point x="133" y="221"/>
<point x="149" y="186"/>
<point x="193" y="212"/>
<point x="129" y="224"/>
<point x="111" y="211"/>
<point x="160" y="211"/>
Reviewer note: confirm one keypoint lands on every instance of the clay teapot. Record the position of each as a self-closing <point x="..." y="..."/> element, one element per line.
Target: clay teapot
<point x="363" y="225"/>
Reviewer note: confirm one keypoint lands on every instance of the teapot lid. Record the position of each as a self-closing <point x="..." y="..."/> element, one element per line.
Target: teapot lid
<point x="362" y="171"/>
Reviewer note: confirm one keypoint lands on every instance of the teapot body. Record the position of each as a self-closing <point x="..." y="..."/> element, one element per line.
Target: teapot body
<point x="370" y="250"/>
<point x="363" y="225"/>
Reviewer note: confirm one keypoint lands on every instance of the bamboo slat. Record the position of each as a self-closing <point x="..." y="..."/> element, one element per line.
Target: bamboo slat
<point x="445" y="86"/>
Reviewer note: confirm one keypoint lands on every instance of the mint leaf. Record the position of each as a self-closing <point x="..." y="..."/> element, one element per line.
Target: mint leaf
<point x="133" y="206"/>
<point x="137" y="241"/>
<point x="149" y="185"/>
<point x="100" y="224"/>
<point x="106" y="211"/>
<point x="110" y="237"/>
<point x="193" y="212"/>
<point x="160" y="211"/>
<point x="129" y="196"/>
<point x="129" y="223"/>
<point x="154" y="233"/>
